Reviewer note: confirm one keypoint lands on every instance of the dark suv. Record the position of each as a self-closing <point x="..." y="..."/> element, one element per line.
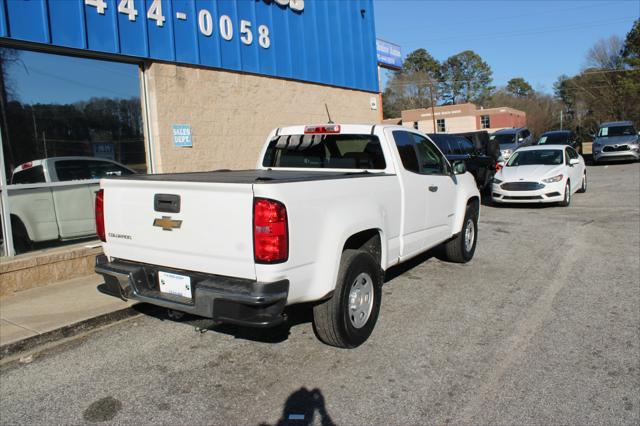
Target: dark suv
<point x="560" y="137"/>
<point x="481" y="165"/>
<point x="511" y="139"/>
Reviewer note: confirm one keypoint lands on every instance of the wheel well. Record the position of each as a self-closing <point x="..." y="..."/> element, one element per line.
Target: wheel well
<point x="474" y="202"/>
<point x="368" y="241"/>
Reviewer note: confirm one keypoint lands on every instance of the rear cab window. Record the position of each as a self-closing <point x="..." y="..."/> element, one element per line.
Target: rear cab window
<point x="31" y="175"/>
<point x="68" y="170"/>
<point x="339" y="151"/>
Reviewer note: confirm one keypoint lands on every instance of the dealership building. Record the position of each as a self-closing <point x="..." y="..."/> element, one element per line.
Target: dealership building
<point x="158" y="86"/>
<point x="462" y="118"/>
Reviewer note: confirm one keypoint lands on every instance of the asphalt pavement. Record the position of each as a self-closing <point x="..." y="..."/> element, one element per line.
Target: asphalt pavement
<point x="542" y="327"/>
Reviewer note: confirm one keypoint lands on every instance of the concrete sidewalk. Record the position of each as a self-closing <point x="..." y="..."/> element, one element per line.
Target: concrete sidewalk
<point x="43" y="310"/>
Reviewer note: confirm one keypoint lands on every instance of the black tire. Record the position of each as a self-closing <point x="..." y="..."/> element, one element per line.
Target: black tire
<point x="332" y="320"/>
<point x="567" y="195"/>
<point x="21" y="241"/>
<point x="457" y="250"/>
<point x="583" y="187"/>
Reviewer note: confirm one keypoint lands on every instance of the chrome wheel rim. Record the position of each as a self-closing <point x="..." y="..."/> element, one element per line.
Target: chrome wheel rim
<point x="567" y="193"/>
<point x="469" y="235"/>
<point x="584" y="182"/>
<point x="360" y="300"/>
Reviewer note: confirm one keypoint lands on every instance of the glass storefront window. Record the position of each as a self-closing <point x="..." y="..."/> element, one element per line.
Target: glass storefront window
<point x="66" y="122"/>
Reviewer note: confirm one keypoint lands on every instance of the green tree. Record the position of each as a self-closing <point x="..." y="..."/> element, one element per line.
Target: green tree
<point x="413" y="86"/>
<point x="466" y="78"/>
<point x="519" y="87"/>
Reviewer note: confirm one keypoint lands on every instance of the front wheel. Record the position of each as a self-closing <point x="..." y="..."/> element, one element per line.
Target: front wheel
<point x="567" y="195"/>
<point x="462" y="247"/>
<point x="583" y="187"/>
<point x="346" y="320"/>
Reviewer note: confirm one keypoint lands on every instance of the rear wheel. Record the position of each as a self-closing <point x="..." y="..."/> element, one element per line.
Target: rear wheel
<point x="583" y="187"/>
<point x="21" y="241"/>
<point x="567" y="195"/>
<point x="347" y="319"/>
<point x="463" y="246"/>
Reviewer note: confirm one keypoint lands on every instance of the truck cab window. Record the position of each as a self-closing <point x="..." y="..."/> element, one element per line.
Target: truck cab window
<point x="325" y="151"/>
<point x="31" y="175"/>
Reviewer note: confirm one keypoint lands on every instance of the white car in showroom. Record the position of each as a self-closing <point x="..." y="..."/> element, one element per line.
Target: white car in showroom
<point x="540" y="174"/>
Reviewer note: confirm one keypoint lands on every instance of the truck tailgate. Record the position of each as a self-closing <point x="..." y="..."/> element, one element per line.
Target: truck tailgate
<point x="214" y="235"/>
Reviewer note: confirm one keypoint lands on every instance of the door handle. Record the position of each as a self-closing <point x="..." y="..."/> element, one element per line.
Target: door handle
<point x="433" y="188"/>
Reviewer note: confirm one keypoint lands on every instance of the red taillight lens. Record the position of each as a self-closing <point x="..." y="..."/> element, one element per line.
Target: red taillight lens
<point x="270" y="233"/>
<point x="100" y="215"/>
<point x="498" y="167"/>
<point x="325" y="128"/>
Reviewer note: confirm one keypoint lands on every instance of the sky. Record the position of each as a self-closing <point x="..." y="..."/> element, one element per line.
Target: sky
<point x="536" y="40"/>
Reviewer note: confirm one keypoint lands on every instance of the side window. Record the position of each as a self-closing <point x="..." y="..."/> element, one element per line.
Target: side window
<point x="465" y="146"/>
<point x="567" y="156"/>
<point x="405" y="143"/>
<point x="453" y="143"/>
<point x="72" y="170"/>
<point x="525" y="133"/>
<point x="100" y="169"/>
<point x="431" y="161"/>
<point x="31" y="175"/>
<point x="572" y="153"/>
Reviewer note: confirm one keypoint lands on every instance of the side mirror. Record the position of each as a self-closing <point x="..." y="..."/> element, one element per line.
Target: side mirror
<point x="593" y="135"/>
<point x="574" y="161"/>
<point x="520" y="140"/>
<point x="459" y="168"/>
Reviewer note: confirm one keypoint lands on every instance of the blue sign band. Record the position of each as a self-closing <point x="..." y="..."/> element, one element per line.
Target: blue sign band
<point x="320" y="41"/>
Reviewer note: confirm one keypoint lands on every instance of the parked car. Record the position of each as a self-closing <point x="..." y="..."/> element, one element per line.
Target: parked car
<point x="49" y="212"/>
<point x="615" y="141"/>
<point x="540" y="174"/>
<point x="458" y="148"/>
<point x="328" y="209"/>
<point x="511" y="139"/>
<point x="560" y="137"/>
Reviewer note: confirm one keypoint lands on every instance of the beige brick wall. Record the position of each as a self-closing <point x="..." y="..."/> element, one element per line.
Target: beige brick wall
<point x="231" y="114"/>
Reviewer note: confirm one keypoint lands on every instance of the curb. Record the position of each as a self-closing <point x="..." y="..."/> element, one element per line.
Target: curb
<point x="66" y="331"/>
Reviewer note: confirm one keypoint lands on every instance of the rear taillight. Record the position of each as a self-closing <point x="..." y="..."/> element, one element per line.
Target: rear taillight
<point x="498" y="167"/>
<point x="100" y="215"/>
<point x="270" y="233"/>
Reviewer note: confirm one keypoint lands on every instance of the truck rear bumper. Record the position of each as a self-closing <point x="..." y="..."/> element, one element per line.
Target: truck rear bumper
<point x="224" y="299"/>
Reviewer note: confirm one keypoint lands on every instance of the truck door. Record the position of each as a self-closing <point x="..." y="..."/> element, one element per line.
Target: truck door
<point x="428" y="193"/>
<point x="414" y="195"/>
<point x="441" y="184"/>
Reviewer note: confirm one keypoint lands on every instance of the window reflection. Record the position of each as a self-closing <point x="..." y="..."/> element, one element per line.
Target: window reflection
<point x="66" y="122"/>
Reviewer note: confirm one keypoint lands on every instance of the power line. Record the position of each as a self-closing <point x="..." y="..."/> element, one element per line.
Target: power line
<point x="427" y="82"/>
<point x="532" y="31"/>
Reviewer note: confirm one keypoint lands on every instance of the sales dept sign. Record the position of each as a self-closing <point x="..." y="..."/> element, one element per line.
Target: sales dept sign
<point x="182" y="135"/>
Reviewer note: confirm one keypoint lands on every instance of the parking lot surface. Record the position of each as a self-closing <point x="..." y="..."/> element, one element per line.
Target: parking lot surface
<point x="542" y="327"/>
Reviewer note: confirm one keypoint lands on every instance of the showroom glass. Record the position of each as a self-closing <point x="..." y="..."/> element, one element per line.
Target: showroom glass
<point x="616" y="131"/>
<point x="59" y="106"/>
<point x="545" y="157"/>
<point x="325" y="151"/>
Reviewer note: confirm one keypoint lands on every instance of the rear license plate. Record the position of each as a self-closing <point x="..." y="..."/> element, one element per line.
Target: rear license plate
<point x="179" y="285"/>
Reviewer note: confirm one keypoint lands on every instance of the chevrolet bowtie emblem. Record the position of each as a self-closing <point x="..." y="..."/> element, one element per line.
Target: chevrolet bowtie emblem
<point x="167" y="224"/>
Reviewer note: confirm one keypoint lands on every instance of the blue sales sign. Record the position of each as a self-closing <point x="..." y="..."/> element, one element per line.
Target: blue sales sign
<point x="322" y="41"/>
<point x="389" y="54"/>
<point x="182" y="135"/>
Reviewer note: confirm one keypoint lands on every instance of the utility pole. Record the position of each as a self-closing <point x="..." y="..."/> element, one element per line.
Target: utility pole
<point x="560" y="119"/>
<point x="433" y="107"/>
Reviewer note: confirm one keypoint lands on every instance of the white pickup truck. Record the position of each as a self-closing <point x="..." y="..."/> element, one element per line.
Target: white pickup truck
<point x="53" y="198"/>
<point x="328" y="209"/>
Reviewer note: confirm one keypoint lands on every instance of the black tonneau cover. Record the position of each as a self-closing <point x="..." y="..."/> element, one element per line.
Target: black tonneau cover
<point x="249" y="176"/>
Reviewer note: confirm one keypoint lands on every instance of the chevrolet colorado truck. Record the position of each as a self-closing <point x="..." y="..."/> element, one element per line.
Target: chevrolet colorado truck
<point x="327" y="211"/>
